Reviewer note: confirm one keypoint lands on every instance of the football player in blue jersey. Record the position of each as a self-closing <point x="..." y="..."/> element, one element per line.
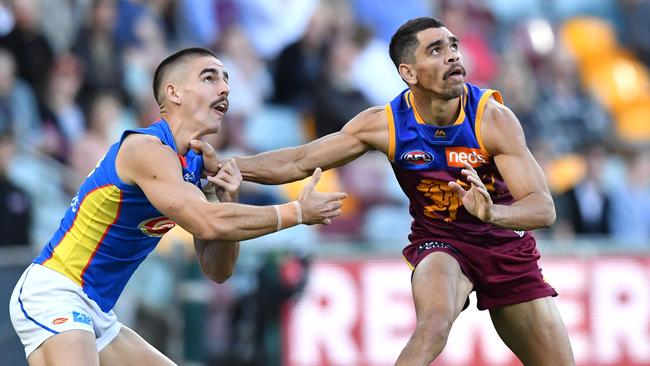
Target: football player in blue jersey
<point x="147" y="183"/>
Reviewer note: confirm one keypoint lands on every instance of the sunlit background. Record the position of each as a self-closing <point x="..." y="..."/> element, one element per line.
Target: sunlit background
<point x="75" y="73"/>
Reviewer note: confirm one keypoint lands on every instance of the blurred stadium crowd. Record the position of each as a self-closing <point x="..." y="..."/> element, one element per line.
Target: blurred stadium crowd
<point x="75" y="73"/>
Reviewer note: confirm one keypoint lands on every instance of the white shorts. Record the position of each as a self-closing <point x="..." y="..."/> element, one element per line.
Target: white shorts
<point x="45" y="303"/>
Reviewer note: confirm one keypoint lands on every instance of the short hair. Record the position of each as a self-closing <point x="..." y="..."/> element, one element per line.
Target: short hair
<point x="404" y="41"/>
<point x="169" y="63"/>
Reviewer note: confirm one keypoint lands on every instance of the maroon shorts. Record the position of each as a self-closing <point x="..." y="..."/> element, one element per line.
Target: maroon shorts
<point x="501" y="276"/>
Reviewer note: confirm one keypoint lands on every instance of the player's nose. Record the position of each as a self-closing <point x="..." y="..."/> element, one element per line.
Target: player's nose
<point x="453" y="58"/>
<point x="224" y="88"/>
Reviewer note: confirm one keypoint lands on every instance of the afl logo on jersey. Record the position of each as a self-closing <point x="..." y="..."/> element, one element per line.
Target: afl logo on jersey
<point x="157" y="226"/>
<point x="417" y="157"/>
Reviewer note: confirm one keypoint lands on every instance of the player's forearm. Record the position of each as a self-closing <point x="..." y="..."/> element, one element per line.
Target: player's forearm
<point x="275" y="167"/>
<point x="231" y="222"/>
<point x="217" y="259"/>
<point x="534" y="211"/>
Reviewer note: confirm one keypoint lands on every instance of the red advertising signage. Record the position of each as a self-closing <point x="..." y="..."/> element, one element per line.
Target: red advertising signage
<point x="360" y="313"/>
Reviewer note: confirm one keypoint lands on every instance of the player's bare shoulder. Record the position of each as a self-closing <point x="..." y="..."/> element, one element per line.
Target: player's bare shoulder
<point x="371" y="127"/>
<point x="139" y="153"/>
<point x="500" y="128"/>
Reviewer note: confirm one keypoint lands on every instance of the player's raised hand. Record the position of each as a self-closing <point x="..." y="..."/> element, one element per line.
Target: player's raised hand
<point x="319" y="207"/>
<point x="476" y="199"/>
<point x="227" y="180"/>
<point x="210" y="159"/>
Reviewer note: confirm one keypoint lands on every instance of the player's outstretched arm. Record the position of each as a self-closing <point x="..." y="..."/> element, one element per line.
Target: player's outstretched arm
<point x="368" y="130"/>
<point x="144" y="161"/>
<point x="504" y="139"/>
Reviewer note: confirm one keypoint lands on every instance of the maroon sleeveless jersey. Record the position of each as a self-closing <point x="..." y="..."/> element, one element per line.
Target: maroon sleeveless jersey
<point x="426" y="158"/>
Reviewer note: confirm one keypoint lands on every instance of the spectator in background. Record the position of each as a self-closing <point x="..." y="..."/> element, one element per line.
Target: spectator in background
<point x="518" y="86"/>
<point x="299" y="65"/>
<point x="103" y="119"/>
<point x="273" y="24"/>
<point x="250" y="80"/>
<point x="197" y="22"/>
<point x="368" y="180"/>
<point x="337" y="100"/>
<point x="100" y="55"/>
<point x="630" y="215"/>
<point x="6" y="19"/>
<point x="31" y="49"/>
<point x="635" y="14"/>
<point x="63" y="121"/>
<point x="390" y="15"/>
<point x="128" y="13"/>
<point x="251" y="84"/>
<point x="585" y="209"/>
<point x="566" y="115"/>
<point x="15" y="205"/>
<point x="372" y="72"/>
<point x="163" y="12"/>
<point x="62" y="22"/>
<point x="480" y="59"/>
<point x="18" y="108"/>
<point x="142" y="57"/>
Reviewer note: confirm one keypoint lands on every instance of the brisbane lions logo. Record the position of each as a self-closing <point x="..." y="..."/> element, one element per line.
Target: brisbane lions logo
<point x="417" y="157"/>
<point x="157" y="226"/>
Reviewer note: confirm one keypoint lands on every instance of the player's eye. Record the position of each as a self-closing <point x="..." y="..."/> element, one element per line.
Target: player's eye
<point x="435" y="51"/>
<point x="209" y="79"/>
<point x="454" y="46"/>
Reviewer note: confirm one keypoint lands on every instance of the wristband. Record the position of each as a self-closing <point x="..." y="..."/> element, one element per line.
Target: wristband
<point x="288" y="215"/>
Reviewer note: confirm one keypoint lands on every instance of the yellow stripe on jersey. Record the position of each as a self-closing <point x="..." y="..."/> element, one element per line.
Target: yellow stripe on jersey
<point x="391" y="132"/>
<point x="461" y="113"/>
<point x="418" y="118"/>
<point x="97" y="212"/>
<point x="479" y="115"/>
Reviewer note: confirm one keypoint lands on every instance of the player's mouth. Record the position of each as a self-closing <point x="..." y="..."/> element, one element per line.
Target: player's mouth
<point x="456" y="72"/>
<point x="220" y="105"/>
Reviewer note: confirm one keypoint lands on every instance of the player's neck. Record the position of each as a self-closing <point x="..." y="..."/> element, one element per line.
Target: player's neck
<point x="181" y="135"/>
<point x="437" y="111"/>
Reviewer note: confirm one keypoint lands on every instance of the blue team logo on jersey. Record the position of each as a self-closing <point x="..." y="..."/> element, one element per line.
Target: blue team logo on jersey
<point x="81" y="317"/>
<point x="417" y="157"/>
<point x="189" y="177"/>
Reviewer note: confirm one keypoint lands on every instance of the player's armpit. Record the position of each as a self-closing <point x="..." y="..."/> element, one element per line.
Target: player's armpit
<point x="367" y="131"/>
<point x="504" y="140"/>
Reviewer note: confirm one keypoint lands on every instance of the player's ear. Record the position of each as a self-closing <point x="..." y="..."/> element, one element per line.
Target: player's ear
<point x="172" y="94"/>
<point x="408" y="74"/>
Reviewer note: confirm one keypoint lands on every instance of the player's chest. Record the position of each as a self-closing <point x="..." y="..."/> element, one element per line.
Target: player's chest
<point x="426" y="147"/>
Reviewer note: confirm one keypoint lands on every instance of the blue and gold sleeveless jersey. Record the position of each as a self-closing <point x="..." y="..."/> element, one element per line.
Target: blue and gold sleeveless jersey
<point x="425" y="158"/>
<point x="111" y="226"/>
